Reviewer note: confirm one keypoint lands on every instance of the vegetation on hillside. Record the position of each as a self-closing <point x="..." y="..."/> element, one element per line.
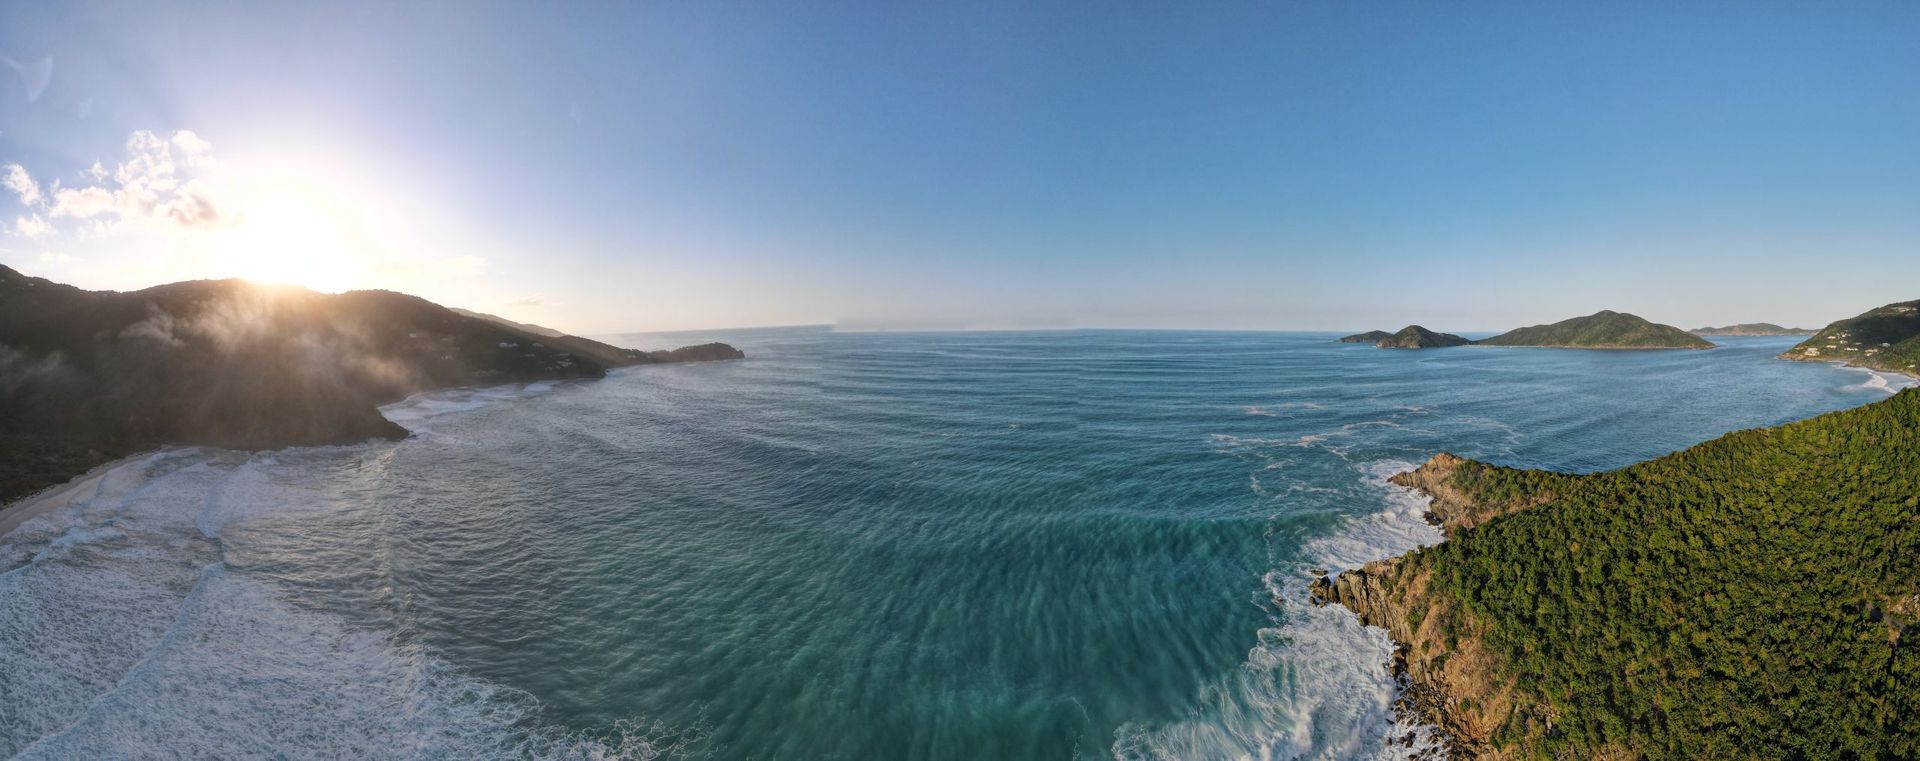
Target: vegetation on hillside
<point x="1887" y="338"/>
<point x="1416" y="337"/>
<point x="87" y="376"/>
<point x="1371" y="336"/>
<point x="1752" y="329"/>
<point x="1601" y="330"/>
<point x="1756" y="596"/>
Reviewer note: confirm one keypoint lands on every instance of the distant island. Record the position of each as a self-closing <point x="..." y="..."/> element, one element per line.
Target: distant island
<point x="1605" y="329"/>
<point x="1416" y="337"/>
<point x="1752" y="329"/>
<point x="1369" y="337"/>
<point x="1755" y="596"/>
<point x="92" y="376"/>
<point x="1887" y="338"/>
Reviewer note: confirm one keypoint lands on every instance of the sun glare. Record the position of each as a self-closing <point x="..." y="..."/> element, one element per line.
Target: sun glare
<point x="289" y="240"/>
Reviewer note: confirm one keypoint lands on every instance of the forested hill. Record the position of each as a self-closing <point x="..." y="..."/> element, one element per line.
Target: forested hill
<point x="1605" y="329"/>
<point x="86" y="376"/>
<point x="1416" y="337"/>
<point x="1752" y="329"/>
<point x="1755" y="596"/>
<point x="1887" y="338"/>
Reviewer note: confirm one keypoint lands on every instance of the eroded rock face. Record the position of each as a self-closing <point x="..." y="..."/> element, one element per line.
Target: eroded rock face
<point x="1449" y="678"/>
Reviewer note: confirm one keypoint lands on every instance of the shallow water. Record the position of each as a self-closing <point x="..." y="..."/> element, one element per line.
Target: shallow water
<point x="997" y="545"/>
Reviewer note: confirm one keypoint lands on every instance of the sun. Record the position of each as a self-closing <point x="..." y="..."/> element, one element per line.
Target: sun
<point x="291" y="240"/>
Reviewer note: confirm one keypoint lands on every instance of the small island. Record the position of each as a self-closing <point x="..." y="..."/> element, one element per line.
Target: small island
<point x="1752" y="329"/>
<point x="1605" y="329"/>
<point x="1755" y="596"/>
<point x="1887" y="338"/>
<point x="1369" y="337"/>
<point x="1416" y="337"/>
<point x="92" y="376"/>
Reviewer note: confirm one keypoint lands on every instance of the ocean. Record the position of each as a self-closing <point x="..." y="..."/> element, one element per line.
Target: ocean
<point x="1047" y="545"/>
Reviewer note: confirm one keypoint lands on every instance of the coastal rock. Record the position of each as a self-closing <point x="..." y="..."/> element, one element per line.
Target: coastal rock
<point x="1371" y="336"/>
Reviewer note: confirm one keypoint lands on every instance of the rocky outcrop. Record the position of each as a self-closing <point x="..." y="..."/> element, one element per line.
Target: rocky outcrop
<point x="1450" y="679"/>
<point x="1371" y="336"/>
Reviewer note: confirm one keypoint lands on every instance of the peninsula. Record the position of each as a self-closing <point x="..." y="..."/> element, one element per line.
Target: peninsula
<point x="1754" y="596"/>
<point x="1887" y="338"/>
<point x="1371" y="336"/>
<point x="92" y="376"/>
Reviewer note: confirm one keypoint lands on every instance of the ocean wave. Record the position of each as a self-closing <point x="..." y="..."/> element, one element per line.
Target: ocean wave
<point x="413" y="412"/>
<point x="124" y="633"/>
<point x="1315" y="685"/>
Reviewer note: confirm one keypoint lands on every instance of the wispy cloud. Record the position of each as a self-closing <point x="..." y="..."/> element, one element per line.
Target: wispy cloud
<point x="152" y="182"/>
<point x="16" y="179"/>
<point x="36" y="75"/>
<point x="31" y="226"/>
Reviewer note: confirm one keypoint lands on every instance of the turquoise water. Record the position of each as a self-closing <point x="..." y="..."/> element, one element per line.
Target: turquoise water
<point x="858" y="546"/>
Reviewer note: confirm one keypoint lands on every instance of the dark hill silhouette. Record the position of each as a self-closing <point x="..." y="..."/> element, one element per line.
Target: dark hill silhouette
<point x="87" y="376"/>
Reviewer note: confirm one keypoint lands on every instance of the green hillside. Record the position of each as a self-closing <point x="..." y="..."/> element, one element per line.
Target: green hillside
<point x="1601" y="330"/>
<point x="1416" y="337"/>
<point x="1887" y="338"/>
<point x="1756" y="596"/>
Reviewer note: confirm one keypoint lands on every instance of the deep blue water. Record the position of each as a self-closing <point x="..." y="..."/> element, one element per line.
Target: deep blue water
<point x="857" y="546"/>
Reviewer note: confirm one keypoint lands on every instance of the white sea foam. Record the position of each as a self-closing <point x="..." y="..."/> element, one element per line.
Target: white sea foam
<point x="414" y="411"/>
<point x="1315" y="685"/>
<point x="123" y="634"/>
<point x="1890" y="383"/>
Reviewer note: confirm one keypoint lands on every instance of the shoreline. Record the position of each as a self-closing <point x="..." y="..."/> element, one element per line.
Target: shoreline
<point x="1449" y="678"/>
<point x="13" y="515"/>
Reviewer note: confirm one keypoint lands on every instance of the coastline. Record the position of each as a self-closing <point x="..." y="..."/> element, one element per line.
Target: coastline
<point x="1451" y="675"/>
<point x="13" y="515"/>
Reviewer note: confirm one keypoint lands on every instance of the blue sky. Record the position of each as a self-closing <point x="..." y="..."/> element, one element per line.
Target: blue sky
<point x="607" y="167"/>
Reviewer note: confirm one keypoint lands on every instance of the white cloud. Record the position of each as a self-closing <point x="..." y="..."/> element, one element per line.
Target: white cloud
<point x="31" y="226"/>
<point x="82" y="203"/>
<point x="149" y="184"/>
<point x="193" y="206"/>
<point x="192" y="148"/>
<point x="17" y="180"/>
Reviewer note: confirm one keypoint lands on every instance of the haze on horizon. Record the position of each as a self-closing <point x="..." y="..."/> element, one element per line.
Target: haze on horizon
<point x="611" y="167"/>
